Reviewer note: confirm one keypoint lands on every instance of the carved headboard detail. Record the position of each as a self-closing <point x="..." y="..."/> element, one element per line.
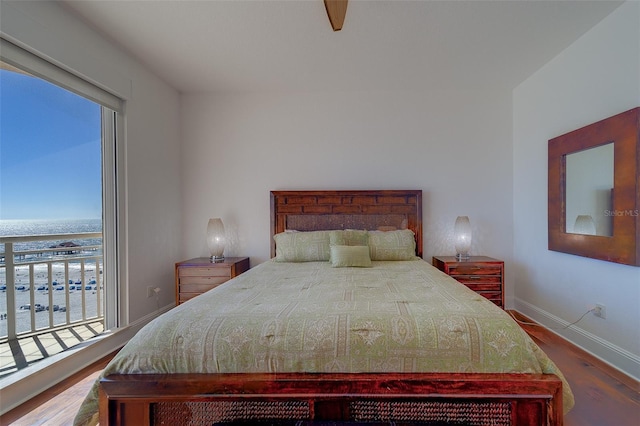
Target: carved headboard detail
<point x="324" y="210"/>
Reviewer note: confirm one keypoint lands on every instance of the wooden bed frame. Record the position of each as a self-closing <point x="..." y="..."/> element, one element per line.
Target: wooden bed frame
<point x="326" y="210"/>
<point x="330" y="398"/>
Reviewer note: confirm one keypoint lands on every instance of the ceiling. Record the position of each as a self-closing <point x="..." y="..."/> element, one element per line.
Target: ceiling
<point x="288" y="45"/>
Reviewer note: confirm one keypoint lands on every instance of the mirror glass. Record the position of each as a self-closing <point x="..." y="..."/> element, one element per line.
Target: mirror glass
<point x="589" y="191"/>
<point x="583" y="171"/>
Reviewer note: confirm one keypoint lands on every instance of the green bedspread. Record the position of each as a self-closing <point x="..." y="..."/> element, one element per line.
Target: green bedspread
<point x="401" y="316"/>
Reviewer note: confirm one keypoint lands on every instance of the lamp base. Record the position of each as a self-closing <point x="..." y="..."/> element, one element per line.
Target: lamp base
<point x="462" y="256"/>
<point x="217" y="259"/>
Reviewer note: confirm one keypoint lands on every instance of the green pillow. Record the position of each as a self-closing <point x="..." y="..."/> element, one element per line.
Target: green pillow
<point x="310" y="246"/>
<point x="392" y="245"/>
<point x="350" y="256"/>
<point x="349" y="237"/>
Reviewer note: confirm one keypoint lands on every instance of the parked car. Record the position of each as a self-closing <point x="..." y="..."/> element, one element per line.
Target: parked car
<point x="37" y="307"/>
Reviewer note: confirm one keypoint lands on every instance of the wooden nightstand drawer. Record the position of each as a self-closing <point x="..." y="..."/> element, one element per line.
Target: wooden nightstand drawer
<point x="196" y="276"/>
<point x="482" y="274"/>
<point x="495" y="297"/>
<point x="475" y="270"/>
<point x="201" y="284"/>
<point x="484" y="287"/>
<point x="186" y="296"/>
<point x="185" y="271"/>
<point x="204" y="280"/>
<point x="479" y="279"/>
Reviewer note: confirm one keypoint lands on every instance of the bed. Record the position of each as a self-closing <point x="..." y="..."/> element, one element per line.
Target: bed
<point x="346" y="324"/>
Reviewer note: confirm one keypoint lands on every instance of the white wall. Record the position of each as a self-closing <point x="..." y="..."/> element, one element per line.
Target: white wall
<point x="152" y="143"/>
<point x="596" y="77"/>
<point x="151" y="244"/>
<point x="453" y="145"/>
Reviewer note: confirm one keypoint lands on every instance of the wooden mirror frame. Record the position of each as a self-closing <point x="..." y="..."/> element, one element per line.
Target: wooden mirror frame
<point x="623" y="247"/>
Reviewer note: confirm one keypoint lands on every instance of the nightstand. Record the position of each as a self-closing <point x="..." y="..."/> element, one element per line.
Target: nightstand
<point x="195" y="276"/>
<point x="482" y="274"/>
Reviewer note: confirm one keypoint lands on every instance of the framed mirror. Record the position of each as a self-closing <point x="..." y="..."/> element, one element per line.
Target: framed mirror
<point x="594" y="190"/>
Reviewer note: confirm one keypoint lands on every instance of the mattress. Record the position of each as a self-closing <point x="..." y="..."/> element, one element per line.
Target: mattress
<point x="396" y="316"/>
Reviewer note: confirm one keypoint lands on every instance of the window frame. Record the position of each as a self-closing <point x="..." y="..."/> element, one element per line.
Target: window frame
<point x="113" y="172"/>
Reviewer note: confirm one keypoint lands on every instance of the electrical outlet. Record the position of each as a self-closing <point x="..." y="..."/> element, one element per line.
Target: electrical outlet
<point x="600" y="311"/>
<point x="150" y="292"/>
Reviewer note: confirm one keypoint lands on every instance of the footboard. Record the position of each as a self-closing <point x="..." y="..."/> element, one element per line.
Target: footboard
<point x="342" y="398"/>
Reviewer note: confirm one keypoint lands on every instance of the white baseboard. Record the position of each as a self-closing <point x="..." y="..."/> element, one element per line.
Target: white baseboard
<point x="613" y="355"/>
<point x="25" y="384"/>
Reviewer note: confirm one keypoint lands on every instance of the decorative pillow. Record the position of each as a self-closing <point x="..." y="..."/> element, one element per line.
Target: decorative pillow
<point x="349" y="237"/>
<point x="348" y="256"/>
<point x="392" y="245"/>
<point x="310" y="246"/>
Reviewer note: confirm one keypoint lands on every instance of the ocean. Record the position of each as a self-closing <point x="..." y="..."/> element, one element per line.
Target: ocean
<point x="60" y="281"/>
<point x="51" y="226"/>
<point x="11" y="228"/>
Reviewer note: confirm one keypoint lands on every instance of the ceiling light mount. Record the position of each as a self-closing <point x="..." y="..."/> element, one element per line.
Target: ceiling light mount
<point x="336" y="10"/>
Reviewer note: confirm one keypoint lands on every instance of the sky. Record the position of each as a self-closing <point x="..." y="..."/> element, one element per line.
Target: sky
<point x="50" y="151"/>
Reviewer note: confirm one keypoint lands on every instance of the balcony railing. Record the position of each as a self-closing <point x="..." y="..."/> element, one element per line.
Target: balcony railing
<point x="49" y="283"/>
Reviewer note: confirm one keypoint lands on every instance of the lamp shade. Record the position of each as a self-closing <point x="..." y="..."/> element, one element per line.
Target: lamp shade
<point x="584" y="225"/>
<point x="216" y="238"/>
<point x="462" y="237"/>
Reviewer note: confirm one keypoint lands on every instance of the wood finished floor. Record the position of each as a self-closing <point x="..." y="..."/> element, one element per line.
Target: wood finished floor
<point x="603" y="396"/>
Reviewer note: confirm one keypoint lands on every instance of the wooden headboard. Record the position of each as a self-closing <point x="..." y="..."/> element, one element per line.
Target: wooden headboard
<point x="325" y="210"/>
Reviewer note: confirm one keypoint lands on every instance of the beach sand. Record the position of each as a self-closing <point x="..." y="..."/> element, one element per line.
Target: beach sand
<point x="64" y="295"/>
